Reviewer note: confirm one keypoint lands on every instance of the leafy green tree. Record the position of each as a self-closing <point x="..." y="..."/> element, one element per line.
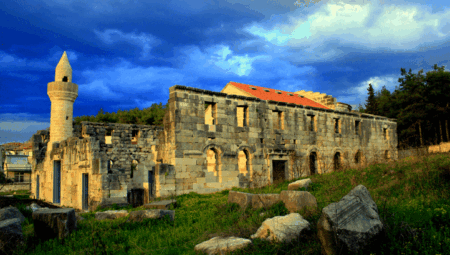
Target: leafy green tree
<point x="438" y="85"/>
<point x="361" y="109"/>
<point x="152" y="115"/>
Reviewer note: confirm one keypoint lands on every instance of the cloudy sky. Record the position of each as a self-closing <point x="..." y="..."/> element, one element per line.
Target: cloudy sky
<point x="126" y="54"/>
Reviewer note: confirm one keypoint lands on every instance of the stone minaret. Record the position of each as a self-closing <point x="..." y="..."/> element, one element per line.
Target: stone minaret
<point x="62" y="93"/>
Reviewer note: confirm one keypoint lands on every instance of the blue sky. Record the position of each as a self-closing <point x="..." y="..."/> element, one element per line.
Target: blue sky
<point x="126" y="54"/>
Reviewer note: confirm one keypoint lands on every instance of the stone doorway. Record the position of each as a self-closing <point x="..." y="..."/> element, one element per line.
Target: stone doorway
<point x="279" y="170"/>
<point x="151" y="180"/>
<point x="37" y="186"/>
<point x="56" y="181"/>
<point x="85" y="191"/>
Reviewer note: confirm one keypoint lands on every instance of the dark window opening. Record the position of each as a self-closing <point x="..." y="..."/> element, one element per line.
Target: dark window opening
<point x="357" y="127"/>
<point x="67" y="117"/>
<point x="312" y="123"/>
<point x="64" y="79"/>
<point x="108" y="132"/>
<point x="336" y="126"/>
<point x="358" y="157"/>
<point x="313" y="163"/>
<point x="384" y="133"/>
<point x="110" y="164"/>
<point x="262" y="140"/>
<point x="280" y="121"/>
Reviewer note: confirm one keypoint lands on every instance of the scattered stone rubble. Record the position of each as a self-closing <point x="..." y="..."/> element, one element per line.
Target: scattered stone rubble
<point x="354" y="220"/>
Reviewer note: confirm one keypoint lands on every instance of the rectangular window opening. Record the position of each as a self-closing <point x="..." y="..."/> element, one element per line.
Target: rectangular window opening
<point x="242" y="116"/>
<point x="357" y="126"/>
<point x="108" y="135"/>
<point x="385" y="133"/>
<point x="336" y="126"/>
<point x="210" y="113"/>
<point x="312" y="123"/>
<point x="19" y="177"/>
<point x="261" y="140"/>
<point x="278" y="120"/>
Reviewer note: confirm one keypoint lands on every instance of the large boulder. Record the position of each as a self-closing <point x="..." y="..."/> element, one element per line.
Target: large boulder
<point x="111" y="214"/>
<point x="299" y="184"/>
<point x="53" y="223"/>
<point x="354" y="221"/>
<point x="11" y="212"/>
<point x="222" y="245"/>
<point x="296" y="200"/>
<point x="138" y="216"/>
<point x="10" y="235"/>
<point x="264" y="200"/>
<point x="282" y="228"/>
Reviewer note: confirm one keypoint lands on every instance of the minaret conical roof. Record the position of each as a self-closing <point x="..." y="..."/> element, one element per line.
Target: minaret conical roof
<point x="63" y="69"/>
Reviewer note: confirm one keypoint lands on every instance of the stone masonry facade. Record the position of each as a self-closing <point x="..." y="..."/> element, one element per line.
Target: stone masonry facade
<point x="209" y="141"/>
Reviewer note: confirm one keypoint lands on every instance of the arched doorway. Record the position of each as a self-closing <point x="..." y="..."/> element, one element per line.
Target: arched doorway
<point x="337" y="161"/>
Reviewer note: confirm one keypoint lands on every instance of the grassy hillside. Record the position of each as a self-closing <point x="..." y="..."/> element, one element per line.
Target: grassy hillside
<point x="412" y="196"/>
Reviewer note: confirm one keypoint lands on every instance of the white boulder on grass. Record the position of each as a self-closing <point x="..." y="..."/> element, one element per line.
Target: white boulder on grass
<point x="282" y="228"/>
<point x="222" y="245"/>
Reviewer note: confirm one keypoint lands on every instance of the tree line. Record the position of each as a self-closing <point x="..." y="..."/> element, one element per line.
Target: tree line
<point x="420" y="104"/>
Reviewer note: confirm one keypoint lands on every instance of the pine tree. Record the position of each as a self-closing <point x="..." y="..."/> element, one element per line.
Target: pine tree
<point x="371" y="102"/>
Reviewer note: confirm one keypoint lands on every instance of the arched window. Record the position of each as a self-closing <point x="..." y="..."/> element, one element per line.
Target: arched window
<point x="313" y="163"/>
<point x="337" y="161"/>
<point x="134" y="167"/>
<point x="211" y="160"/>
<point x="243" y="162"/>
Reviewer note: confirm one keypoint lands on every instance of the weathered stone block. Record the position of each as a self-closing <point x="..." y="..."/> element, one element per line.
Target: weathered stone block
<point x="54" y="223"/>
<point x="10" y="235"/>
<point x="265" y="200"/>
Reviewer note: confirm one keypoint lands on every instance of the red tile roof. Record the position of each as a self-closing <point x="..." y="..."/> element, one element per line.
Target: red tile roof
<point x="281" y="96"/>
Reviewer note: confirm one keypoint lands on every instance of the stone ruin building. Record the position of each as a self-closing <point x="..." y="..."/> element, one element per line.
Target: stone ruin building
<point x="244" y="136"/>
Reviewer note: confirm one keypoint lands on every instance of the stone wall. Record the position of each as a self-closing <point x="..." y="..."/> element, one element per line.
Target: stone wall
<point x="209" y="141"/>
<point x="109" y="166"/>
<point x="16" y="186"/>
<point x="275" y="131"/>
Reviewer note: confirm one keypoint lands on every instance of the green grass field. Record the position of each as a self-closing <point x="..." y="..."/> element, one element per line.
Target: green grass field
<point x="412" y="196"/>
